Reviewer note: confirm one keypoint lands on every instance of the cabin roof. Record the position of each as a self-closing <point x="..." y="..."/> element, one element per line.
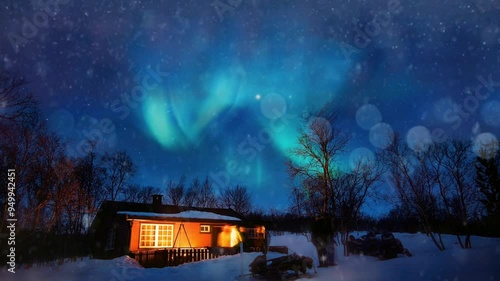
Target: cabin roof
<point x="151" y="211"/>
<point x="191" y="214"/>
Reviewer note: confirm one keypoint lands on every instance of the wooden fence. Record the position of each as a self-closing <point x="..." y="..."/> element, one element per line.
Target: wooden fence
<point x="172" y="257"/>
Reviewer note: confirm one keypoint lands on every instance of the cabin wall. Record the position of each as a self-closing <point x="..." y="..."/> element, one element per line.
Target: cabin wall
<point x="122" y="238"/>
<point x="184" y="234"/>
<point x="101" y="232"/>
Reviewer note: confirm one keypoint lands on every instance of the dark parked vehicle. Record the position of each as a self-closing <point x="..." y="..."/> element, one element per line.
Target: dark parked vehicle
<point x="385" y="247"/>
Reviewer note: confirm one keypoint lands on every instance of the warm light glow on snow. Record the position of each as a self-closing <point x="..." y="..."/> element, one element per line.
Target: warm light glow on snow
<point x="229" y="237"/>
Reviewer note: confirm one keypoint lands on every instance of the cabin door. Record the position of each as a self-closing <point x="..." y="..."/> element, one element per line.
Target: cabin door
<point x="215" y="234"/>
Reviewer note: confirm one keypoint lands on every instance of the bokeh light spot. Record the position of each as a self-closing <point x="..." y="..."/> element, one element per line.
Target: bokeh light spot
<point x="419" y="138"/>
<point x="485" y="145"/>
<point x="319" y="128"/>
<point x="273" y="106"/>
<point x="368" y="116"/>
<point x="361" y="155"/>
<point x="381" y="135"/>
<point x="491" y="113"/>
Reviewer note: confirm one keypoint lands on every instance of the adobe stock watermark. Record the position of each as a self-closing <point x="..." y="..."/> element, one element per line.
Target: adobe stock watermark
<point x="40" y="19"/>
<point x="486" y="5"/>
<point x="129" y="101"/>
<point x="183" y="22"/>
<point x="469" y="105"/>
<point x="273" y="107"/>
<point x="11" y="220"/>
<point x="363" y="37"/>
<point x="100" y="132"/>
<point x="223" y="6"/>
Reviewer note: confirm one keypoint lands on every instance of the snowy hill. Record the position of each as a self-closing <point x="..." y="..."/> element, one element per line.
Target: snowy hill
<point x="479" y="263"/>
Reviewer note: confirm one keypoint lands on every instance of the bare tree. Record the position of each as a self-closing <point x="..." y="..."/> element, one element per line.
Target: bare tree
<point x="15" y="101"/>
<point x="237" y="198"/>
<point x="299" y="203"/>
<point x="353" y="188"/>
<point x="175" y="192"/>
<point x="487" y="179"/>
<point x="18" y="145"/>
<point x="206" y="197"/>
<point x="192" y="193"/>
<point x="131" y="193"/>
<point x="140" y="194"/>
<point x="119" y="169"/>
<point x="313" y="164"/>
<point x="46" y="187"/>
<point x="20" y="126"/>
<point x="451" y="164"/>
<point x="42" y="181"/>
<point x="318" y="146"/>
<point x="146" y="194"/>
<point x="27" y="147"/>
<point x="314" y="200"/>
<point x="70" y="204"/>
<point x="200" y="195"/>
<point x="414" y="181"/>
<point x="90" y="175"/>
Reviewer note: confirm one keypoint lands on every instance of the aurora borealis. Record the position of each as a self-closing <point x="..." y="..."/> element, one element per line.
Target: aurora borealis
<point x="187" y="91"/>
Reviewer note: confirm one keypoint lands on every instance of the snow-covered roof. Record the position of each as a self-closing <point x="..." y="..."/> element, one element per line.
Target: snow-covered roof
<point x="182" y="215"/>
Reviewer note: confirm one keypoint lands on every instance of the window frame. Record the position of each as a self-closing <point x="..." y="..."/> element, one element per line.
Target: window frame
<point x="169" y="230"/>
<point x="252" y="233"/>
<point x="110" y="239"/>
<point x="207" y="226"/>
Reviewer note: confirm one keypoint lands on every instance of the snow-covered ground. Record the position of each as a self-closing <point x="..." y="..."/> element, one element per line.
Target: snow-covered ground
<point x="480" y="263"/>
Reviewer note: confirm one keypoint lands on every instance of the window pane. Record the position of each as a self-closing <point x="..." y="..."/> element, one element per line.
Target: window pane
<point x="204" y="228"/>
<point x="147" y="235"/>
<point x="156" y="235"/>
<point x="110" y="241"/>
<point x="165" y="235"/>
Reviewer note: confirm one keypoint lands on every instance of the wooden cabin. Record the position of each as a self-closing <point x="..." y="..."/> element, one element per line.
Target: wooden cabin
<point x="122" y="228"/>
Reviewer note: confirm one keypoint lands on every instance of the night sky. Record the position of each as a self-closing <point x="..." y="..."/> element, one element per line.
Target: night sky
<point x="218" y="88"/>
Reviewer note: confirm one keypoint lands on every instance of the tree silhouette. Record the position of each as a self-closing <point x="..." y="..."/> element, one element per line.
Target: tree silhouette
<point x="487" y="179"/>
<point x="237" y="198"/>
<point x="119" y="169"/>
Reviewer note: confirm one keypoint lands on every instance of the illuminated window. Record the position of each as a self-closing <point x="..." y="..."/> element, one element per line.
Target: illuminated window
<point x="110" y="239"/>
<point x="156" y="235"/>
<point x="205" y="228"/>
